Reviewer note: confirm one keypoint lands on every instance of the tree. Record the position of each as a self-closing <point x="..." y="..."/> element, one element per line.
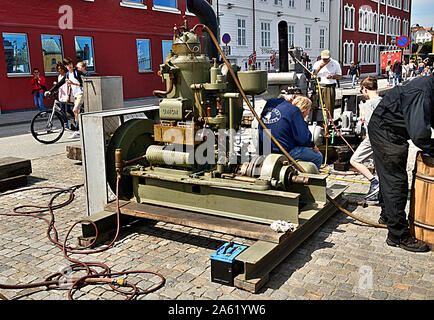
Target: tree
<point x="427" y="48"/>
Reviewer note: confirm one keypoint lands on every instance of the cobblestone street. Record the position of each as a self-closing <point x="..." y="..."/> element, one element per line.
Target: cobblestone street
<point x="343" y="259"/>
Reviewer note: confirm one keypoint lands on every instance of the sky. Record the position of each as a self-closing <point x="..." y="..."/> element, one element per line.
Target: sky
<point x="422" y="12"/>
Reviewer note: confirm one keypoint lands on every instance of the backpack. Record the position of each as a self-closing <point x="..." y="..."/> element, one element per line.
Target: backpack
<point x="77" y="75"/>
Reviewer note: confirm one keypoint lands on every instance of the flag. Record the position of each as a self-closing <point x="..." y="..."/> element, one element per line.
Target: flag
<point x="273" y="58"/>
<point x="252" y="58"/>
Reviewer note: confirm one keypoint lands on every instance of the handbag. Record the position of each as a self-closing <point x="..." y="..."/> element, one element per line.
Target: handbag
<point x="65" y="97"/>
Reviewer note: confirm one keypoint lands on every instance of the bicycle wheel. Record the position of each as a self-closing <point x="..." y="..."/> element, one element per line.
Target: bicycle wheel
<point x="44" y="130"/>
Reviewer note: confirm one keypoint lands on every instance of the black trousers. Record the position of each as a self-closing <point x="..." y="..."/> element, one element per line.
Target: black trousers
<point x="390" y="156"/>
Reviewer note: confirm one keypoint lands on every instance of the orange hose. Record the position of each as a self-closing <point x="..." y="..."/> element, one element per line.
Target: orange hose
<point x="91" y="277"/>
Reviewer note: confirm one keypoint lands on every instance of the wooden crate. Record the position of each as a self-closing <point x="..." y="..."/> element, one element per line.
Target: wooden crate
<point x="14" y="172"/>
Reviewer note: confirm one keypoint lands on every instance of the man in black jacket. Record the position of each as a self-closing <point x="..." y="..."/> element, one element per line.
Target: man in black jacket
<point x="406" y="112"/>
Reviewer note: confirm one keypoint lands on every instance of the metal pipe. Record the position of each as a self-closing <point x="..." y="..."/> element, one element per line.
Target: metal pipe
<point x="231" y="96"/>
<point x="207" y="16"/>
<point x="300" y="180"/>
<point x="118" y="162"/>
<point x="283" y="46"/>
<point x="160" y="93"/>
<point x="239" y="178"/>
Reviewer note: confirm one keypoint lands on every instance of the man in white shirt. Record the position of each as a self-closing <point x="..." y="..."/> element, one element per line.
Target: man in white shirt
<point x="328" y="70"/>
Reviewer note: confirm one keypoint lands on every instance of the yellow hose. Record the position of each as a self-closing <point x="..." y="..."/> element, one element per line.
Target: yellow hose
<point x="324" y="114"/>
<point x="349" y="180"/>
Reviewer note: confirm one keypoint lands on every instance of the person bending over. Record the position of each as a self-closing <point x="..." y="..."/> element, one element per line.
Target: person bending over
<point x="286" y="123"/>
<point x="369" y="89"/>
<point x="405" y="112"/>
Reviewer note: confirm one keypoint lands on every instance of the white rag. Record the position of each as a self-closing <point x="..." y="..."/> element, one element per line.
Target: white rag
<point x="282" y="226"/>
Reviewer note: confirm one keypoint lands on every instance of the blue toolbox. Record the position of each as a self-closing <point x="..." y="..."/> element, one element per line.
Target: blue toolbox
<point x="224" y="267"/>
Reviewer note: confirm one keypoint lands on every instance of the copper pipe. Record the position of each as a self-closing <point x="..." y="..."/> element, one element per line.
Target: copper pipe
<point x="160" y="93"/>
<point x="239" y="178"/>
<point x="300" y="180"/>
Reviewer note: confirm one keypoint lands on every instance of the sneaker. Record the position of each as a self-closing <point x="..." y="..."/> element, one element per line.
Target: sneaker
<point x="75" y="135"/>
<point x="410" y="244"/>
<point x="374" y="197"/>
<point x="372" y="194"/>
<point x="382" y="220"/>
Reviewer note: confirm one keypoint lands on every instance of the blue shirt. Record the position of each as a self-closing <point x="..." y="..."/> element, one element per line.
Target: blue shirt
<point x="287" y="125"/>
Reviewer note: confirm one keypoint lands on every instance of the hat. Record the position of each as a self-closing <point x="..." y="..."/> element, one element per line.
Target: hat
<point x="325" y="54"/>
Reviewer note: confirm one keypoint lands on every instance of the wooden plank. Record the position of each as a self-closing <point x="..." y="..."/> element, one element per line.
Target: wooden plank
<point x="73" y="152"/>
<point x="225" y="225"/>
<point x="105" y="221"/>
<point x="13" y="182"/>
<point x="13" y="167"/>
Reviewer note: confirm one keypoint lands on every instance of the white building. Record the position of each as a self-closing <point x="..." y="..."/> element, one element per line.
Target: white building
<point x="253" y="26"/>
<point x="422" y="35"/>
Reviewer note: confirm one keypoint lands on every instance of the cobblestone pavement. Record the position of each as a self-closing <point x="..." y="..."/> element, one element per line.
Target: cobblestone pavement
<point x="344" y="259"/>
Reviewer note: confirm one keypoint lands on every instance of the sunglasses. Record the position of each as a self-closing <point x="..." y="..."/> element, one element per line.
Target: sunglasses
<point x="361" y="90"/>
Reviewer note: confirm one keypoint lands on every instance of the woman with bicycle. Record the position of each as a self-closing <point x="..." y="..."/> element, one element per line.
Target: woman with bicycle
<point x="63" y="95"/>
<point x="74" y="78"/>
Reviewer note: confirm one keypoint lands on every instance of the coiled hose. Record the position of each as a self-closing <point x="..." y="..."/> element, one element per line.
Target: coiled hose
<point x="265" y="129"/>
<point x="57" y="280"/>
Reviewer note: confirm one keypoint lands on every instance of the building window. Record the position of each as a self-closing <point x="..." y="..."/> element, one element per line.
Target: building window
<point x="144" y="54"/>
<point x="321" y="39"/>
<point x="84" y="51"/>
<point x="166" y="46"/>
<point x="307" y="37"/>
<point x="267" y="65"/>
<point x="374" y="22"/>
<point x="137" y="4"/>
<point x="52" y="51"/>
<point x="265" y="34"/>
<point x="16" y="53"/>
<point x="405" y="27"/>
<point x="241" y="41"/>
<point x="165" y="3"/>
<point x="367" y="20"/>
<point x="382" y="23"/>
<point x="367" y="53"/>
<point x="291" y="3"/>
<point x="258" y="65"/>
<point x="348" y="54"/>
<point x="349" y="13"/>
<point x="278" y="2"/>
<point x="291" y="35"/>
<point x="322" y="6"/>
<point x="307" y="4"/>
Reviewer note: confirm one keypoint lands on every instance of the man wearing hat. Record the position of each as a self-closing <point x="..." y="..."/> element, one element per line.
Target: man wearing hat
<point x="328" y="70"/>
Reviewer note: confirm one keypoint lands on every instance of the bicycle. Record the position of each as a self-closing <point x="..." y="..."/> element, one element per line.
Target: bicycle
<point x="48" y="126"/>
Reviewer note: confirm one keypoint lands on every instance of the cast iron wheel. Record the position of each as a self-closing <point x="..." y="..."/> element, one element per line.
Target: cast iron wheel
<point x="133" y="137"/>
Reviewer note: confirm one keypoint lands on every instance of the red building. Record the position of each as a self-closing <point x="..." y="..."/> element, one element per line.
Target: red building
<point x="126" y="38"/>
<point x="369" y="27"/>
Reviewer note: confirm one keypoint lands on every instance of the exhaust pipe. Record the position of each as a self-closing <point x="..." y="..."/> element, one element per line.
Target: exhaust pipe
<point x="207" y="16"/>
<point x="283" y="46"/>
